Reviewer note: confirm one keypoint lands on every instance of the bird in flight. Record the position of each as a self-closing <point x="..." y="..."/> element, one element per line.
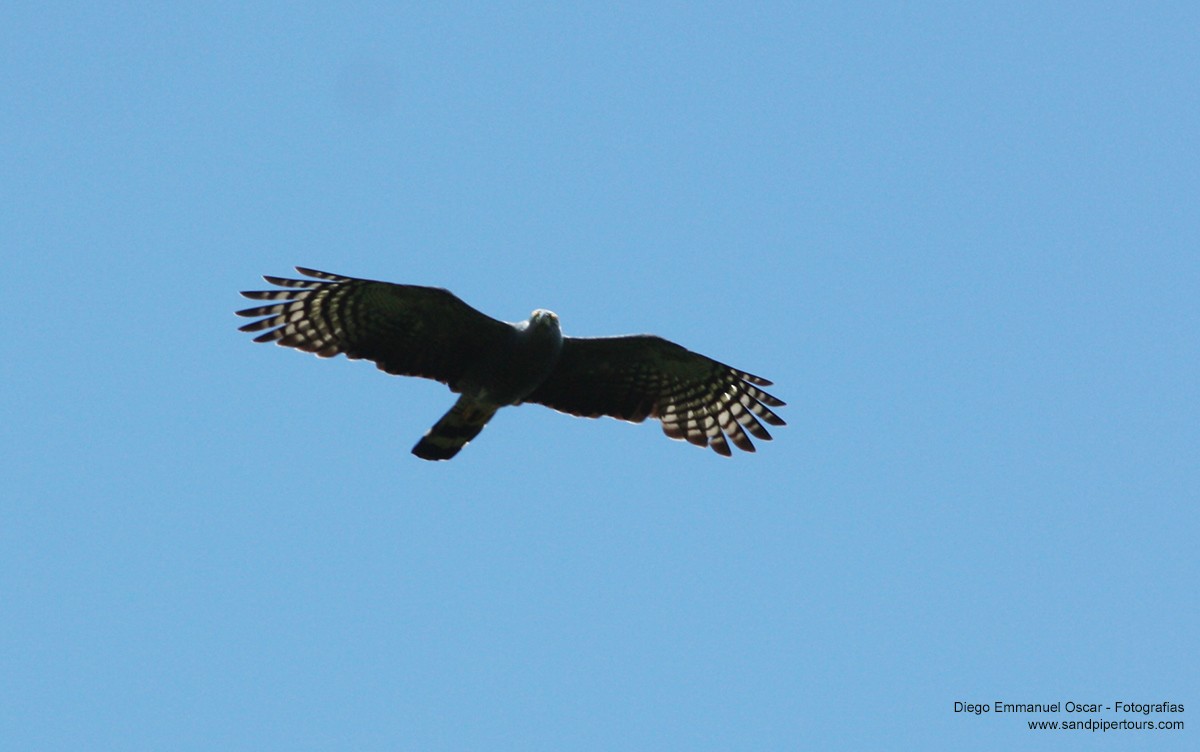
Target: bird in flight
<point x="409" y="330"/>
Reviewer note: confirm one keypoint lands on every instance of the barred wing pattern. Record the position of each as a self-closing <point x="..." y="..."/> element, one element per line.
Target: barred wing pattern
<point x="631" y="378"/>
<point x="407" y="330"/>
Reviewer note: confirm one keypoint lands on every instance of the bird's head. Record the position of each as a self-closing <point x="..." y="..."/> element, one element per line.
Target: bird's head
<point x="541" y="318"/>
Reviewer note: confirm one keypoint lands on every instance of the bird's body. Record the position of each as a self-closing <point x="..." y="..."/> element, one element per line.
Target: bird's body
<point x="504" y="374"/>
<point x="424" y="331"/>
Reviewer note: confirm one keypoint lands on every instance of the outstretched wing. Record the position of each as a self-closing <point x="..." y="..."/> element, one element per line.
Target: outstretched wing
<point x="636" y="377"/>
<point x="406" y="330"/>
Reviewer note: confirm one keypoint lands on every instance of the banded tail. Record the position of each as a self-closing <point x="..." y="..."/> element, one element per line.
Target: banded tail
<point x="457" y="427"/>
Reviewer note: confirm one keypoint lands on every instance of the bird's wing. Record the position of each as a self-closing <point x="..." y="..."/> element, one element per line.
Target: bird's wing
<point x="406" y="330"/>
<point x="635" y="377"/>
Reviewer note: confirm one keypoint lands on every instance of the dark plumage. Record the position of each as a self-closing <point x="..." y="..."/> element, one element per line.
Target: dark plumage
<point x="409" y="330"/>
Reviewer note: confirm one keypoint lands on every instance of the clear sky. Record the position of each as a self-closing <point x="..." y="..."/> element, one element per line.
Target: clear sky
<point x="962" y="239"/>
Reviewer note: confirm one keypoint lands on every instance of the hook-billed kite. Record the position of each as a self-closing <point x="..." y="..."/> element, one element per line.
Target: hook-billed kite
<point x="408" y="330"/>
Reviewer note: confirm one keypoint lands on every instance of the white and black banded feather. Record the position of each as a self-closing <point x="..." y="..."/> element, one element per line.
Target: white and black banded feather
<point x="698" y="399"/>
<point x="407" y="330"/>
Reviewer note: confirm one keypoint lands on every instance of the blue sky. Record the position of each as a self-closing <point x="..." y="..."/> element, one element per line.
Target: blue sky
<point x="961" y="238"/>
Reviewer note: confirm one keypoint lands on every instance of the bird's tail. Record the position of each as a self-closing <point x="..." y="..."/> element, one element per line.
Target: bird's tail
<point x="457" y="427"/>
